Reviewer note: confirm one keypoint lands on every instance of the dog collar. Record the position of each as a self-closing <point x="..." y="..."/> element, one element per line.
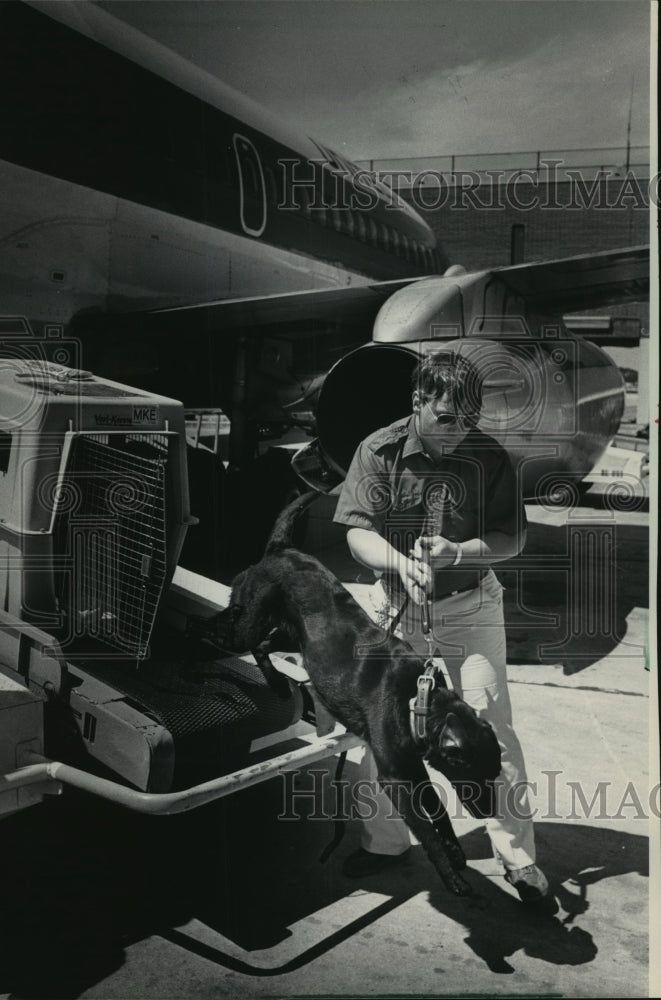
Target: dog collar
<point x="419" y="704"/>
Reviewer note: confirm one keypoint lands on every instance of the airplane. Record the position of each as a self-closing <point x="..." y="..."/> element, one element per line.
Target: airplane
<point x="163" y="232"/>
<point x="195" y="247"/>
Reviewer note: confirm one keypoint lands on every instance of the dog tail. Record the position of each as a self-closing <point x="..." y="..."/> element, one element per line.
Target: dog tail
<point x="284" y="530"/>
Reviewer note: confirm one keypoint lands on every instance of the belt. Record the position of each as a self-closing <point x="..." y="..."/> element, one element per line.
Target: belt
<point x="396" y="593"/>
<point x="473" y="585"/>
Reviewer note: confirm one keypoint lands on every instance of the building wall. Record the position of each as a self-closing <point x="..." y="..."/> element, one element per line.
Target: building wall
<point x="475" y="226"/>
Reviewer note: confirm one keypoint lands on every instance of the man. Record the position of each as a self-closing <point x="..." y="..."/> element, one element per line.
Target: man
<point x="431" y="502"/>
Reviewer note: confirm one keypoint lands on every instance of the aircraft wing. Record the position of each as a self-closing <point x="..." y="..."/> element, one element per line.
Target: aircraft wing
<point x="570" y="283"/>
<point x="558" y="286"/>
<point x="173" y="351"/>
<point x="296" y="310"/>
<point x="584" y="282"/>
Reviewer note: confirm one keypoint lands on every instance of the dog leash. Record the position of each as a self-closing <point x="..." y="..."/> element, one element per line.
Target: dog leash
<point x="398" y="617"/>
<point x="433" y="673"/>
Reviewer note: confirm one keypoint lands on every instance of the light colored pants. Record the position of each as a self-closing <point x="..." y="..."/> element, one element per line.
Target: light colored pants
<point x="469" y="634"/>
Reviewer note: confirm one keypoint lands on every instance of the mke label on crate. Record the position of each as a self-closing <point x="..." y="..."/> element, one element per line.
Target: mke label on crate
<point x="140" y="416"/>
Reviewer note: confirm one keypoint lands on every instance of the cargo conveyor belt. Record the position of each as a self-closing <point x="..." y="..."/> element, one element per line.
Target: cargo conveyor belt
<point x="184" y="727"/>
<point x="213" y="709"/>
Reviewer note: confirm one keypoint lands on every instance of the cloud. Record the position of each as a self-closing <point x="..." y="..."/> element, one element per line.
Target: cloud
<point x="385" y="79"/>
<point x="571" y="91"/>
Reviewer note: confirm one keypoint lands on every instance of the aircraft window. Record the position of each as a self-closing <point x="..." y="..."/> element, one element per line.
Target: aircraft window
<point x="342" y="220"/>
<point x="394" y="241"/>
<point x="337" y="219"/>
<point x="405" y="246"/>
<point x="349" y="222"/>
<point x="371" y="230"/>
<point x="361" y="229"/>
<point x="384" y="241"/>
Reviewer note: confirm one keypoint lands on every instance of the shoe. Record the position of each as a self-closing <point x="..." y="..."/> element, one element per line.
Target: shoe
<point x="362" y="863"/>
<point x="533" y="887"/>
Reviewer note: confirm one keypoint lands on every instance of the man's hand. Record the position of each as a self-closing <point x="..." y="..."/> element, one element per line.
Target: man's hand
<point x="371" y="549"/>
<point x="417" y="578"/>
<point x="436" y="549"/>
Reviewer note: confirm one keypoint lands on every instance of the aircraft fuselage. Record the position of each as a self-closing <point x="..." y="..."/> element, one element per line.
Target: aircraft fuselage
<point x="130" y="180"/>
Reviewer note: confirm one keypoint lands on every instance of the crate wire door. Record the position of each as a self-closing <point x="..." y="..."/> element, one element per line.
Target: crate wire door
<point x="110" y="527"/>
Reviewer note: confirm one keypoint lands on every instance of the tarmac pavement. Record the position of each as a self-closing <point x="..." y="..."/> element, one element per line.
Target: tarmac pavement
<point x="232" y="902"/>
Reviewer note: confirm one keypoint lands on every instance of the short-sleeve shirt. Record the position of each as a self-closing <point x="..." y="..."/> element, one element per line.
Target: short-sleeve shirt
<point x="394" y="488"/>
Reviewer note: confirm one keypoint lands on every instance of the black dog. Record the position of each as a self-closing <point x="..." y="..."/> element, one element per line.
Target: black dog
<point x="366" y="678"/>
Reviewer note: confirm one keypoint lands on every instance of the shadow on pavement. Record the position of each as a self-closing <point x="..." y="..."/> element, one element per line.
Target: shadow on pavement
<point x="86" y="880"/>
<point x="499" y="925"/>
<point x="568" y="597"/>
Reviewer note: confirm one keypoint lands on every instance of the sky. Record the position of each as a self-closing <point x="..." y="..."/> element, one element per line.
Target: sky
<point x="380" y="79"/>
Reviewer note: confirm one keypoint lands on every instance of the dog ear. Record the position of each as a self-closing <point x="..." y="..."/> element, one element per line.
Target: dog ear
<point x="453" y="733"/>
<point x="254" y="610"/>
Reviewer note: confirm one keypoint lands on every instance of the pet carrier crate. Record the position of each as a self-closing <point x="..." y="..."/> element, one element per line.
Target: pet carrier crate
<point x="93" y="504"/>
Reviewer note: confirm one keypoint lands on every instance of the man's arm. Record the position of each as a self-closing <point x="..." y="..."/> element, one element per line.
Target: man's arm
<point x="372" y="550"/>
<point x="494" y="547"/>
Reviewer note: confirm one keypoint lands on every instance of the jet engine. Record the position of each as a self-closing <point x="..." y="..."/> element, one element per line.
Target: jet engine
<point x="554" y="403"/>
